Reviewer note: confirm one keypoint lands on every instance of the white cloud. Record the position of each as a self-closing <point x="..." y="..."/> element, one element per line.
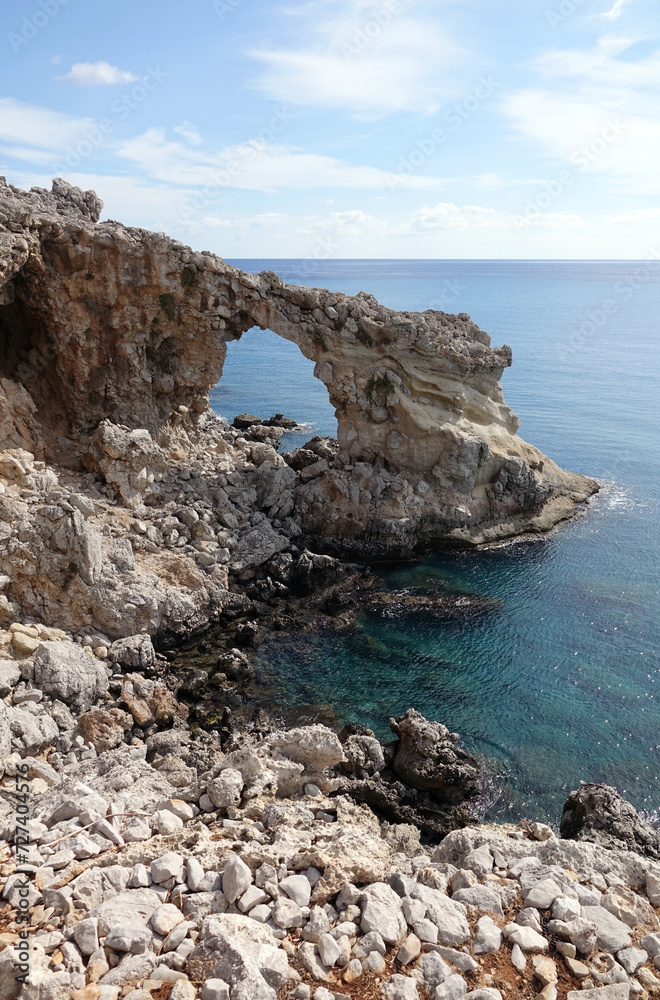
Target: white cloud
<point x="616" y="11"/>
<point x="94" y="74"/>
<point x="37" y="127"/>
<point x="447" y="216"/>
<point x="257" y="166"/>
<point x="189" y="132"/>
<point x="639" y="216"/>
<point x="371" y="57"/>
<point x="598" y="112"/>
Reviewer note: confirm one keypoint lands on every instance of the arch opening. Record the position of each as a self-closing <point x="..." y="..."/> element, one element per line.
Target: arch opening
<point x="265" y="374"/>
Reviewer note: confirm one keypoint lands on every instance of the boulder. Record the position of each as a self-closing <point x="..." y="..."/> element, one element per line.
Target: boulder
<point x="65" y="671"/>
<point x="428" y="759"/>
<point x="598" y="814"/>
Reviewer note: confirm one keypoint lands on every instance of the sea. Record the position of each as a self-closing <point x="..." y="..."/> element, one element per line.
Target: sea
<point x="557" y="679"/>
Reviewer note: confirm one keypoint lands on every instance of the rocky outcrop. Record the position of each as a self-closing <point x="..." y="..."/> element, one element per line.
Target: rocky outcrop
<point x="598" y="814"/>
<point x="110" y="339"/>
<point x="425" y="779"/>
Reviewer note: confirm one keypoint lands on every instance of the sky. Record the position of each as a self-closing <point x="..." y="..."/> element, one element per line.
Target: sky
<point x="346" y="128"/>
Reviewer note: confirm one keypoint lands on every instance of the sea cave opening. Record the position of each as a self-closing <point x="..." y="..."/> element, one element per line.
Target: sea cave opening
<point x="265" y="374"/>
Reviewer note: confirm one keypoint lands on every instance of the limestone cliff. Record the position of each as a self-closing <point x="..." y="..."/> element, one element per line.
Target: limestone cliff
<point x="110" y="339"/>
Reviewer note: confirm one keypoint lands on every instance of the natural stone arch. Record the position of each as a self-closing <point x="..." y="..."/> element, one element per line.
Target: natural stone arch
<point x="137" y="326"/>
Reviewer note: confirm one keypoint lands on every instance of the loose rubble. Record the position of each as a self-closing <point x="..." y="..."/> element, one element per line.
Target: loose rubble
<point x="174" y="865"/>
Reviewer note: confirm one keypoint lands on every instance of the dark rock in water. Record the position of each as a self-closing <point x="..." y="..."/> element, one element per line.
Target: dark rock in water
<point x="598" y="814"/>
<point x="424" y="778"/>
<point x="235" y="666"/>
<point x="245" y="420"/>
<point x="279" y="420"/>
<point x="399" y="803"/>
<point x="194" y="684"/>
<point x="247" y="633"/>
<point x="429" y="760"/>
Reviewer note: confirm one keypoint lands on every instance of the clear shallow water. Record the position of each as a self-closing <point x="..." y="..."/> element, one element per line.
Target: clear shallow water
<point x="560" y="681"/>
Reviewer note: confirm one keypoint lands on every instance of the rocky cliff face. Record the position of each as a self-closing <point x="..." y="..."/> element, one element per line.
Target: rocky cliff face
<point x="110" y="339"/>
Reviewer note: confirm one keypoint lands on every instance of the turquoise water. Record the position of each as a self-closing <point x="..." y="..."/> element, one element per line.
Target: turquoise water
<point x="559" y="681"/>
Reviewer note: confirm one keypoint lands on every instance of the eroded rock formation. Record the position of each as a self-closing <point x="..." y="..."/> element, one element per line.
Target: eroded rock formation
<point x="598" y="814"/>
<point x="110" y="339"/>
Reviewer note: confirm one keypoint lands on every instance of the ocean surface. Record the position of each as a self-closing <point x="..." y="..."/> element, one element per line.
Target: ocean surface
<point x="560" y="681"/>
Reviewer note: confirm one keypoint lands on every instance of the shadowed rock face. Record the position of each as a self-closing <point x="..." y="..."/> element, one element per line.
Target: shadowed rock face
<point x="598" y="814"/>
<point x="111" y="337"/>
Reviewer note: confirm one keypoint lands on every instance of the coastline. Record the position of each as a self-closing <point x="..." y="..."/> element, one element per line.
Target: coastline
<point x="128" y="511"/>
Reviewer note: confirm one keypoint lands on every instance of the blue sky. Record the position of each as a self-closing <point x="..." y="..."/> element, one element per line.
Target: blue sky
<point x="347" y="128"/>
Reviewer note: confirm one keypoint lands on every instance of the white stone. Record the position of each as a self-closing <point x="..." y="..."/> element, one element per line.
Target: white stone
<point x="453" y="988"/>
<point x="86" y="935"/>
<point x="194" y="874"/>
<point x="329" y="950"/>
<point x="517" y="958"/>
<point x="253" y="896"/>
<point x="400" y="988"/>
<point x="426" y="931"/>
<point x="479" y="860"/>
<point x="374" y="962"/>
<point x="382" y="912"/>
<point x="236" y="877"/>
<point x="131" y="938"/>
<point x="286" y="913"/>
<point x="565" y="908"/>
<point x="526" y="938"/>
<point x="632" y="958"/>
<point x="165" y="918"/>
<point x="225" y="790"/>
<point x="488" y="937"/>
<point x="166" y="867"/>
<point x="297" y="888"/>
<point x="542" y="894"/>
<point x="613" y="935"/>
<point x="166" y="822"/>
<point x="215" y="989"/>
<point x="409" y="950"/>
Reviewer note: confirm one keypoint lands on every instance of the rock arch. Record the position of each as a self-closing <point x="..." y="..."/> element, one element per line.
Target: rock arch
<point x="134" y="326"/>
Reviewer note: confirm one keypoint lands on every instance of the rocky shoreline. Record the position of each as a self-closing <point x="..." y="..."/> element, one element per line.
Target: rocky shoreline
<point x="159" y="860"/>
<point x="127" y="506"/>
<point x="164" y="838"/>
